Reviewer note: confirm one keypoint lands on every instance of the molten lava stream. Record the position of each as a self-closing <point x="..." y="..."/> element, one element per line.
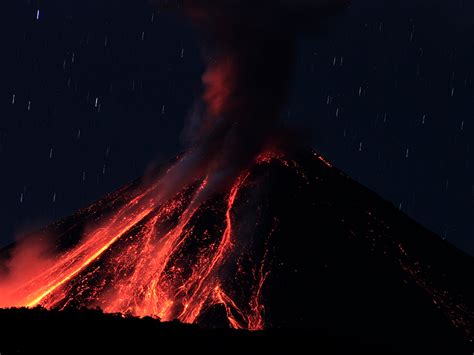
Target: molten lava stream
<point x="72" y="262"/>
<point x="154" y="289"/>
<point x="148" y="291"/>
<point x="131" y="264"/>
<point x="202" y="283"/>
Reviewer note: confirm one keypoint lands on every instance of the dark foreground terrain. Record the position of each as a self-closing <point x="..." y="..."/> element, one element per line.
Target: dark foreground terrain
<point x="38" y="331"/>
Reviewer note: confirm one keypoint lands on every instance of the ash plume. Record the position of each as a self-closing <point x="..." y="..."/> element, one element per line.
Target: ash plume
<point x="249" y="48"/>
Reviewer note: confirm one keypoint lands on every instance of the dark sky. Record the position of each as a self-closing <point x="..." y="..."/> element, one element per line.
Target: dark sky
<point x="95" y="91"/>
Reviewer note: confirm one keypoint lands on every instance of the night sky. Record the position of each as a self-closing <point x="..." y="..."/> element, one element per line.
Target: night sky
<point x="94" y="92"/>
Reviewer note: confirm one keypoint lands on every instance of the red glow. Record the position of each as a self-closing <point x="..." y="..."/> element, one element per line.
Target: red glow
<point x="138" y="262"/>
<point x="219" y="80"/>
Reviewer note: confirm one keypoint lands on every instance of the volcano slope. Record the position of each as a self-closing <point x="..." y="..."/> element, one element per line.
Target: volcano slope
<point x="294" y="244"/>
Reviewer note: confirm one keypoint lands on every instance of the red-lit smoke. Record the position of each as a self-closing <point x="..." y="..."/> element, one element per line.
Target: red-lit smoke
<point x="147" y="257"/>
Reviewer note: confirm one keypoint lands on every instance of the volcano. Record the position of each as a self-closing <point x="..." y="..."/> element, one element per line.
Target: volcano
<point x="294" y="243"/>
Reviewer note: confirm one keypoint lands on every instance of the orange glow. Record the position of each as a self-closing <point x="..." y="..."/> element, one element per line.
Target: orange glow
<point x="218" y="80"/>
<point x="139" y="261"/>
<point x="320" y="157"/>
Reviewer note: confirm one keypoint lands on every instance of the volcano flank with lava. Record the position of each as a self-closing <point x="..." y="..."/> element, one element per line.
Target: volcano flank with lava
<point x="293" y="243"/>
<point x="241" y="232"/>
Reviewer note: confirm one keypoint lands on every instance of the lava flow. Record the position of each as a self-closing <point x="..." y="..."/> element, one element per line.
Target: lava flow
<point x="172" y="249"/>
<point x="156" y="259"/>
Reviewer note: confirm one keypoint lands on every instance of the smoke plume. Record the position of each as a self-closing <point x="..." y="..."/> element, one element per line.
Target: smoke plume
<point x="249" y="48"/>
<point x="28" y="259"/>
<point x="144" y="257"/>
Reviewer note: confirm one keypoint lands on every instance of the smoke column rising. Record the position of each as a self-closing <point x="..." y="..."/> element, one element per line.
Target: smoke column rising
<point x="146" y="268"/>
<point x="249" y="46"/>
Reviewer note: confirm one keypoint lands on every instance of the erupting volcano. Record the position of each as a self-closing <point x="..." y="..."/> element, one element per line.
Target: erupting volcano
<point x="149" y="256"/>
<point x="243" y="232"/>
<point x="292" y="243"/>
<point x="161" y="260"/>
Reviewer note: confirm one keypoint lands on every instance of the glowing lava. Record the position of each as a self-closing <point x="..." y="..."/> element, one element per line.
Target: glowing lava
<point x="150" y="259"/>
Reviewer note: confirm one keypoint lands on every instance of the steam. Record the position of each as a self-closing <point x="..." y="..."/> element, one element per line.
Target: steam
<point x="27" y="259"/>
